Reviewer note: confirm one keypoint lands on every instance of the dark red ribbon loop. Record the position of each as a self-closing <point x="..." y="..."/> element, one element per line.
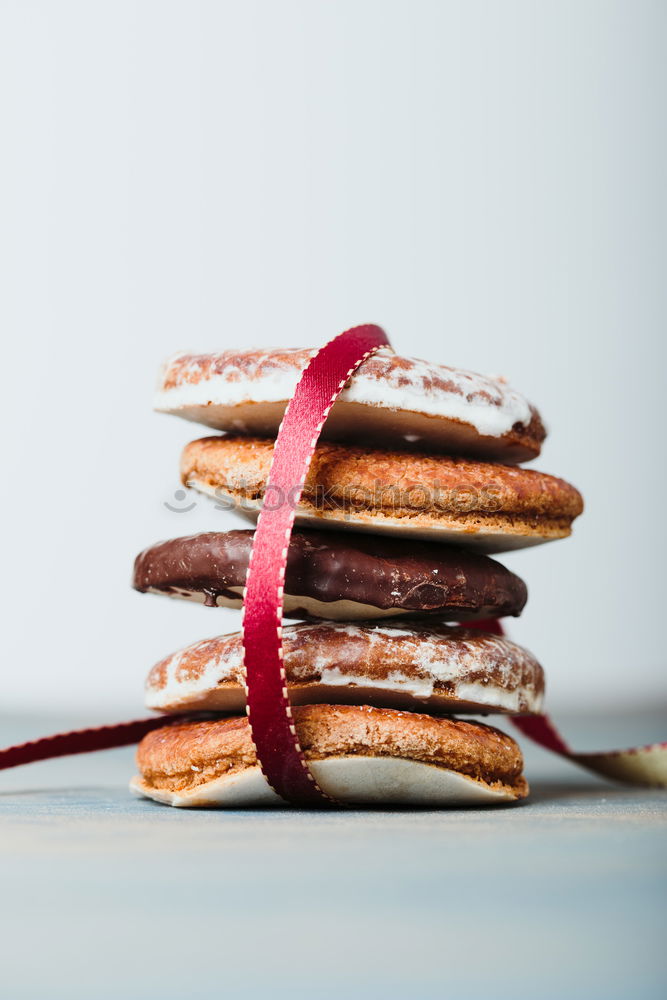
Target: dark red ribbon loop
<point x="281" y="758"/>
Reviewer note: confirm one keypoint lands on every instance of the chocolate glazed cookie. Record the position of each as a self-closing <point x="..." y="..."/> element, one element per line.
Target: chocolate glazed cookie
<point x="335" y="577"/>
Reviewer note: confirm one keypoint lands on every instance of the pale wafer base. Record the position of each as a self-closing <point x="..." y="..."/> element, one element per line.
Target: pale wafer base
<point x="397" y="428"/>
<point x="355" y="780"/>
<point x="334" y="611"/>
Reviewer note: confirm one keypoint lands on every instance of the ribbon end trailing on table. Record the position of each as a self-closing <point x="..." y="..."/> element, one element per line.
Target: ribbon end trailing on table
<point x="118" y="734"/>
<point x="645" y="765"/>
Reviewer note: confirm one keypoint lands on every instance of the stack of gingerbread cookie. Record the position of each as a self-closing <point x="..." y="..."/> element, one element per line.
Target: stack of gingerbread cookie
<point x="413" y="484"/>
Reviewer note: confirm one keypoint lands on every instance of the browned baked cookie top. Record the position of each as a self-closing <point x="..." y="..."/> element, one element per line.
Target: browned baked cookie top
<point x="378" y="490"/>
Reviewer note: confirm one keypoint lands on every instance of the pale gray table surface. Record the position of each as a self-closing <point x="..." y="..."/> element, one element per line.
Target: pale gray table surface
<point x="105" y="896"/>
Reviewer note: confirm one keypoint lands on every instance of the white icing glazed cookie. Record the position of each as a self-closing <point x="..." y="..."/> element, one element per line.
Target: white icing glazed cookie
<point x="409" y="666"/>
<point x="394" y="401"/>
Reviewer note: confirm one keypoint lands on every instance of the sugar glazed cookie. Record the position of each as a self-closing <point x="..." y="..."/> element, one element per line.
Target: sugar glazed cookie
<point x="397" y="402"/>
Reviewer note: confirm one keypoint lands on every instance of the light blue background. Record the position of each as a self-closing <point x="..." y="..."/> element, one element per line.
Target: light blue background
<point x="484" y="179"/>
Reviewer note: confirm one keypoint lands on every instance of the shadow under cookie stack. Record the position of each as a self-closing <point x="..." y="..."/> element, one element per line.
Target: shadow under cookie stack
<point x="415" y="481"/>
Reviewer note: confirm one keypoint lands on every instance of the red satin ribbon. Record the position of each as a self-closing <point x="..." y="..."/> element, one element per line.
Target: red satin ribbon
<point x="267" y="702"/>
